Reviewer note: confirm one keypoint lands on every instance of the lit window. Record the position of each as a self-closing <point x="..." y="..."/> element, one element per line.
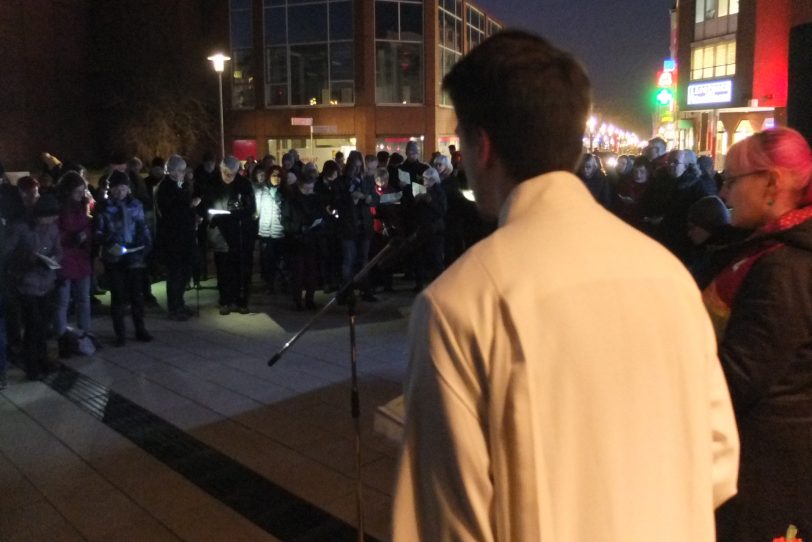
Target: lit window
<point x="717" y="60"/>
<point x="712" y="9"/>
<point x="399" y="51"/>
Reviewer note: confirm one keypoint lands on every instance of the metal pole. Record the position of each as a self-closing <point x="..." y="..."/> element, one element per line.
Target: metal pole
<point x="222" y="128"/>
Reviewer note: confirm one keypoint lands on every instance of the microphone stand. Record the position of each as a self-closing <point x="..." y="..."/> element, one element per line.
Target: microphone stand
<point x="346" y="292"/>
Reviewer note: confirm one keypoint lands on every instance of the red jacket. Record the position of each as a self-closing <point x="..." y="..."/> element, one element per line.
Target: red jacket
<point x="76" y="234"/>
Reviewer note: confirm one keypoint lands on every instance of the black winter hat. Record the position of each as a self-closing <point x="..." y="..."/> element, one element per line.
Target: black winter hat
<point x="117" y="178"/>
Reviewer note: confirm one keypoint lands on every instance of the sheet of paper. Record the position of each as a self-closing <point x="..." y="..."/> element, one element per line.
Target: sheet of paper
<point x="50" y="262"/>
<point x="394" y="197"/>
<point x="418" y="189"/>
<point x="404" y="177"/>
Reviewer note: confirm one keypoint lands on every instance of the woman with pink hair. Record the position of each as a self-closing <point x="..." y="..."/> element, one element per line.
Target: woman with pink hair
<point x="761" y="303"/>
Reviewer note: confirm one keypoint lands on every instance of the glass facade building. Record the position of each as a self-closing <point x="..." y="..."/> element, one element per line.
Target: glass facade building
<point x="365" y="72"/>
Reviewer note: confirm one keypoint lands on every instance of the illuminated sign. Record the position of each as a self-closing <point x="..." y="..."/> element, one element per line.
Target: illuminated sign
<point x="665" y="79"/>
<point x="669" y="65"/>
<point x="301" y="121"/>
<point x="664" y="97"/>
<point x="716" y="92"/>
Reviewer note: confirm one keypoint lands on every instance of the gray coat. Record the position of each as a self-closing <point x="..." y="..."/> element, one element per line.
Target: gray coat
<point x="28" y="274"/>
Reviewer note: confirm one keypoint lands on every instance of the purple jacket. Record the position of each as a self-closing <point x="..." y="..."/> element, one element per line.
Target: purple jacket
<point x="76" y="234"/>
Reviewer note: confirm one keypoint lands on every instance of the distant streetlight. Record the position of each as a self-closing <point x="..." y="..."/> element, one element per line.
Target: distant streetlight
<point x="219" y="62"/>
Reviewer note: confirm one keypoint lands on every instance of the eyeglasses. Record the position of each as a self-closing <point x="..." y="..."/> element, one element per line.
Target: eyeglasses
<point x="729" y="180"/>
<point x="675" y="163"/>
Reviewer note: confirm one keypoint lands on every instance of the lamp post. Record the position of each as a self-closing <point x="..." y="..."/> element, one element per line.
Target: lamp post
<point x="219" y="62"/>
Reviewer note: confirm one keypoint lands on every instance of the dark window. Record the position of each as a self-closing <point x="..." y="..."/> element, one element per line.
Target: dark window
<point x="386" y="21"/>
<point x="242" y="35"/>
<point x="341" y="60"/>
<point x="308" y="74"/>
<point x="411" y="21"/>
<point x="307" y="24"/>
<point x="340" y="21"/>
<point x="275" y="27"/>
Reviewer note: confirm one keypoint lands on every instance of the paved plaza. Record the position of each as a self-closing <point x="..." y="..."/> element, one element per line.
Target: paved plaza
<point x="193" y="437"/>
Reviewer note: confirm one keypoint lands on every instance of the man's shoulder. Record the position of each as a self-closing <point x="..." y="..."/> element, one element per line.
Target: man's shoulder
<point x="468" y="276"/>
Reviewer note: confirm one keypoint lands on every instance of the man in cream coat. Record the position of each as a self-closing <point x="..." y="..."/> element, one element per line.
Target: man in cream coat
<point x="563" y="381"/>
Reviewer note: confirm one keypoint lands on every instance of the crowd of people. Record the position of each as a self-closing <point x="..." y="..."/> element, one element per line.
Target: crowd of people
<point x="66" y="238"/>
<point x="744" y="234"/>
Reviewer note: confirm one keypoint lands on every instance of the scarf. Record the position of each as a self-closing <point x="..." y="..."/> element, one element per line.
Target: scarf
<point x="721" y="293"/>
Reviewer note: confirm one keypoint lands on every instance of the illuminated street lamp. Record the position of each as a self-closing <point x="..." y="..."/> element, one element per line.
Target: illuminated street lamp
<point x="219" y="62"/>
<point x="590" y="125"/>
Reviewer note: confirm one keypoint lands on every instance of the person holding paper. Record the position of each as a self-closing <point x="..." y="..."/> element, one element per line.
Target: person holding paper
<point x="430" y="207"/>
<point x="122" y="233"/>
<point x="176" y="236"/>
<point x="76" y="236"/>
<point x="33" y="251"/>
<point x="232" y="208"/>
<point x="302" y="218"/>
<point x="355" y="197"/>
<point x="387" y="224"/>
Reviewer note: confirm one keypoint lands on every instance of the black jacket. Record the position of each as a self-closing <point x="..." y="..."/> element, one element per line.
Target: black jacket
<point x="354" y="215"/>
<point x="177" y="221"/>
<point x="766" y="354"/>
<point x="238" y="199"/>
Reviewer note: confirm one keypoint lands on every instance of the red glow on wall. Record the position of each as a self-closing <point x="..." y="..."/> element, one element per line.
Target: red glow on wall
<point x="243" y="148"/>
<point x="771" y="59"/>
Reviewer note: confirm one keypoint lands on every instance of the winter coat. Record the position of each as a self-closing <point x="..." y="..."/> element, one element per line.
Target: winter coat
<point x="177" y="221"/>
<point x="354" y="215"/>
<point x="28" y="274"/>
<point x="226" y="231"/>
<point x="766" y="353"/>
<point x="122" y="223"/>
<point x="269" y="208"/>
<point x="76" y="237"/>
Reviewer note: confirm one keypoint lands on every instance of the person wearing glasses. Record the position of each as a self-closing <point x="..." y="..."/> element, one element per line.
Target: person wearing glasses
<point x="761" y="305"/>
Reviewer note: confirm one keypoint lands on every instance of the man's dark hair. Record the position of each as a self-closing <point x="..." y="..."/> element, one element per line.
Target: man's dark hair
<point x="529" y="97"/>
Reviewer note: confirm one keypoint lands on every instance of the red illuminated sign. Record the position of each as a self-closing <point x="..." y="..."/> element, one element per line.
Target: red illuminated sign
<point x="665" y="79"/>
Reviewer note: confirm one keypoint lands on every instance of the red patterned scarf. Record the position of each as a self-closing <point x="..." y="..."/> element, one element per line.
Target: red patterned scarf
<point x="721" y="293"/>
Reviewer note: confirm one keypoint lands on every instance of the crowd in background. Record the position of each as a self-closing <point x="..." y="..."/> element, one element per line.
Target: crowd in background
<point x="63" y="239"/>
<point x="66" y="239"/>
<point x="311" y="229"/>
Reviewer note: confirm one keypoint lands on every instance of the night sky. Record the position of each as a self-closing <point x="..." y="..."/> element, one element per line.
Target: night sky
<point x="622" y="43"/>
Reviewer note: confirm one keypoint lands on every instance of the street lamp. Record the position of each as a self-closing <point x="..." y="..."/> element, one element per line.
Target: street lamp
<point x="590" y="124"/>
<point x="219" y="62"/>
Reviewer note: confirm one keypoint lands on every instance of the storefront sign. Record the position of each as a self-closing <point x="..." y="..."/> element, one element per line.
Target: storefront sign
<point x="716" y="92"/>
<point x="325" y="129"/>
<point x="301" y="121"/>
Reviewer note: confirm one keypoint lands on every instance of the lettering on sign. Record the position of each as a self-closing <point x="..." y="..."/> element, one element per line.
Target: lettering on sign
<point x="325" y="129"/>
<point x="301" y="121"/>
<point x="716" y="92"/>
